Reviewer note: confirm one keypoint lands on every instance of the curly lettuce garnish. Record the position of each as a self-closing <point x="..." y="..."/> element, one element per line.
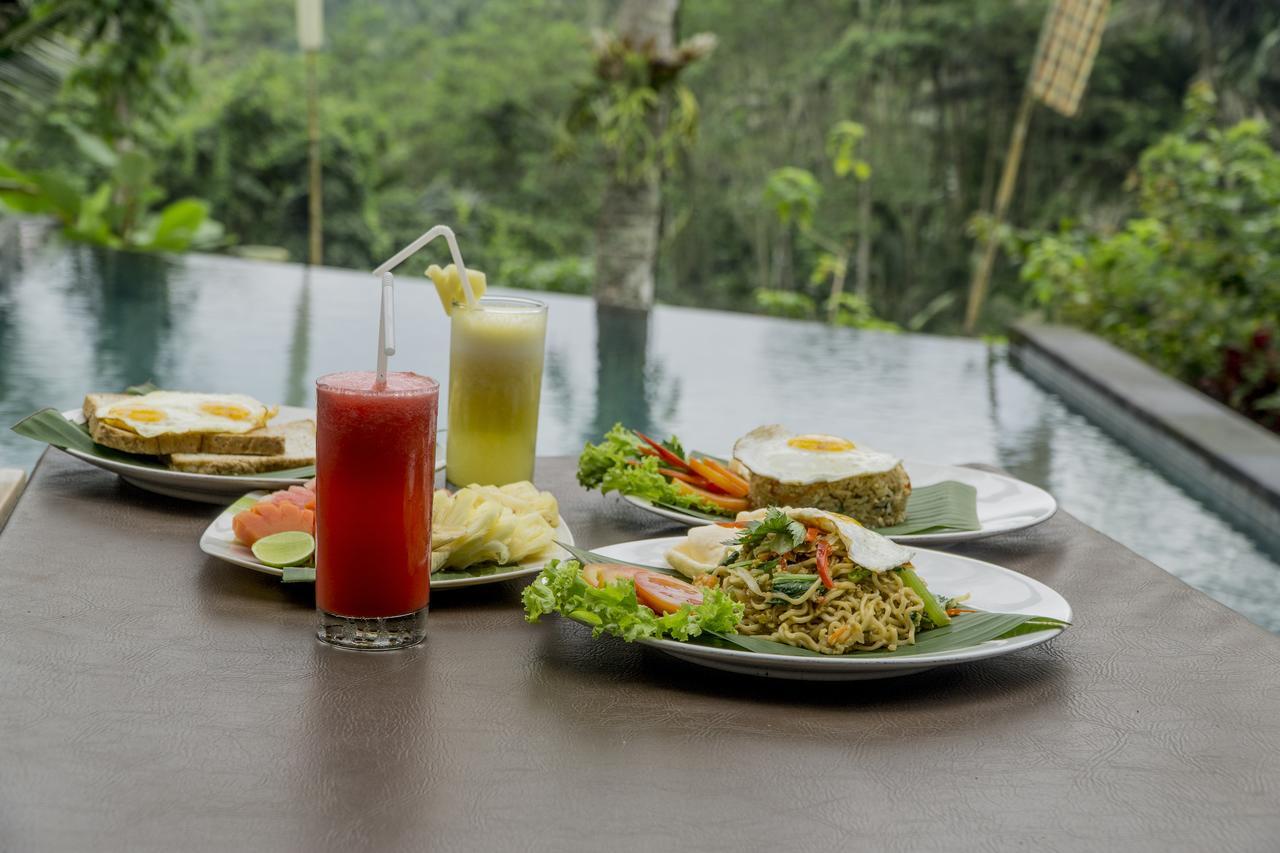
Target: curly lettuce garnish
<point x="614" y="609"/>
<point x="617" y="465"/>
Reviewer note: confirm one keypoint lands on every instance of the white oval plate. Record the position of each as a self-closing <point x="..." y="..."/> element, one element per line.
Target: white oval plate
<point x="205" y="488"/>
<point x="1004" y="503"/>
<point x="218" y="540"/>
<point x="990" y="587"/>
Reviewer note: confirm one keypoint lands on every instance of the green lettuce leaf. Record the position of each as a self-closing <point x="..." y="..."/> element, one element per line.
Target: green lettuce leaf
<point x="619" y="445"/>
<point x="614" y="609"/>
<point x="617" y="465"/>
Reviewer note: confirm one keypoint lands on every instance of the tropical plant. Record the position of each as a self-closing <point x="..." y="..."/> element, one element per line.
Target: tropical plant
<point x="117" y="58"/>
<point x="1190" y="284"/>
<point x="84" y="80"/>
<point x="120" y="211"/>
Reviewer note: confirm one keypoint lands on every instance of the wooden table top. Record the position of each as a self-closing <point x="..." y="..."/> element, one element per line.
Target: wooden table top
<point x="155" y="699"/>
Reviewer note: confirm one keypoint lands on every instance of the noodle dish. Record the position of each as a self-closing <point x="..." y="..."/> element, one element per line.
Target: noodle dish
<point x="807" y="579"/>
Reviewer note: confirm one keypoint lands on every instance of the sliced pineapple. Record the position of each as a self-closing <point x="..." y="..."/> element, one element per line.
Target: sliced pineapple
<point x="449" y="284"/>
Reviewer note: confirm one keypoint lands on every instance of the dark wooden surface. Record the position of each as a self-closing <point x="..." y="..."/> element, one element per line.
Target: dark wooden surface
<point x="154" y="699"/>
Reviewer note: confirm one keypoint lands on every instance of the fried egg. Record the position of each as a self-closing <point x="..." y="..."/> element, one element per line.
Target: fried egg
<point x="779" y="454"/>
<point x="864" y="547"/>
<point x="705" y="547"/>
<point x="183" y="412"/>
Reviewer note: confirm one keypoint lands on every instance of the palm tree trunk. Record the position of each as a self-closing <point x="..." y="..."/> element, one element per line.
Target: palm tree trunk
<point x="627" y="230"/>
<point x="627" y="242"/>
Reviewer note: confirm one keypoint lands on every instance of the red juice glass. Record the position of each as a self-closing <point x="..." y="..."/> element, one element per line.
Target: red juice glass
<point x="375" y="475"/>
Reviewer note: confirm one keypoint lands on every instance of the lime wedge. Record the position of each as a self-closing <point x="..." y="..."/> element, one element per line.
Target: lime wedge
<point x="449" y="284"/>
<point x="290" y="548"/>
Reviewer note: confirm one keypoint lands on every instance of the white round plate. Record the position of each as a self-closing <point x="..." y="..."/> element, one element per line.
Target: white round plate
<point x="205" y="488"/>
<point x="1004" y="503"/>
<point x="990" y="587"/>
<point x="218" y="540"/>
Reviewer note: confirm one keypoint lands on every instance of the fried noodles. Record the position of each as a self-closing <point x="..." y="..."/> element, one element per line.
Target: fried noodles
<point x="875" y="612"/>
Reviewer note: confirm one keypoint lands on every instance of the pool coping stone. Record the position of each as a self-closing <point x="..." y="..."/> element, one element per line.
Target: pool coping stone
<point x="1211" y="451"/>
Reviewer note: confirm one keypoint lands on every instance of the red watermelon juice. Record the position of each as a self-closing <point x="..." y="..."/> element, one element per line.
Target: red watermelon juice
<point x="375" y="474"/>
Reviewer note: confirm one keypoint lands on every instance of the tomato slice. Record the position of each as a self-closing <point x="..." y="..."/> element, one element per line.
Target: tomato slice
<point x="602" y="574"/>
<point x="663" y="593"/>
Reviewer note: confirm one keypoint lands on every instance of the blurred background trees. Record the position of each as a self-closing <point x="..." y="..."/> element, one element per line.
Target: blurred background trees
<point x="471" y="111"/>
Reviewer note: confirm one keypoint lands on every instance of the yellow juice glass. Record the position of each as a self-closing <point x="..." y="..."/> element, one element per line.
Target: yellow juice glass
<point x="495" y="382"/>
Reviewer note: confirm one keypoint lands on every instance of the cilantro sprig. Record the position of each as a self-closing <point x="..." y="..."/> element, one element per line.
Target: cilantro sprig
<point x="773" y="534"/>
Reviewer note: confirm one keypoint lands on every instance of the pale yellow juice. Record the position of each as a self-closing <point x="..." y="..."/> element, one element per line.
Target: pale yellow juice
<point x="495" y="382"/>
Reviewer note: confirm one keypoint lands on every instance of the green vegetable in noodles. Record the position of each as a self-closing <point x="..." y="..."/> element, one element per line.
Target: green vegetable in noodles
<point x="792" y="586"/>
<point x="932" y="609"/>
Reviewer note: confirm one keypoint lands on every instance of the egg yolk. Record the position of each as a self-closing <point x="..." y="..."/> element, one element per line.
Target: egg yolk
<point x="225" y="410"/>
<point x="146" y="416"/>
<point x="820" y="443"/>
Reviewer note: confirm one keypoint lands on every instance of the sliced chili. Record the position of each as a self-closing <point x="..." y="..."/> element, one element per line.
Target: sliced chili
<point x="666" y="454"/>
<point x="823" y="556"/>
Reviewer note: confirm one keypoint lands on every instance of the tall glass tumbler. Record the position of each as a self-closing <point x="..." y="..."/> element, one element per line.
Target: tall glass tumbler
<point x="495" y="383"/>
<point x="375" y="476"/>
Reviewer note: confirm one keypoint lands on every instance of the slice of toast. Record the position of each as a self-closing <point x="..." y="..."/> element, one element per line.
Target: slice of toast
<point x="265" y="441"/>
<point x="300" y="449"/>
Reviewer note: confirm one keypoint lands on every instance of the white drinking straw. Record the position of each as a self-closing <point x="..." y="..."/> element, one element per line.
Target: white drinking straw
<point x="386" y="328"/>
<point x="386" y="320"/>
<point x="439" y="231"/>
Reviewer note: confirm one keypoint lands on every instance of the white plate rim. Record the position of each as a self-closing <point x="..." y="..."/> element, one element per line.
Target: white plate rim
<point x="215" y="543"/>
<point x="1046" y="510"/>
<point x="743" y="660"/>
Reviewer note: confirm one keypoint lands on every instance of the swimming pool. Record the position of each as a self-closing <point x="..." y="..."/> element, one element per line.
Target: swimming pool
<point x="74" y="319"/>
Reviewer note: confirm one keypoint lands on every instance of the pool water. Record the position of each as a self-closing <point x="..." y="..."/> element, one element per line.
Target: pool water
<point x="74" y="319"/>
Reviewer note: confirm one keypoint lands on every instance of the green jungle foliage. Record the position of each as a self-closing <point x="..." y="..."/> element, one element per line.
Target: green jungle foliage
<point x="85" y="82"/>
<point x="1192" y="283"/>
<point x="821" y="127"/>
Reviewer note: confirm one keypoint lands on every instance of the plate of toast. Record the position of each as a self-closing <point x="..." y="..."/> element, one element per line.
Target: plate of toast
<point x="197" y="447"/>
<point x="188" y="445"/>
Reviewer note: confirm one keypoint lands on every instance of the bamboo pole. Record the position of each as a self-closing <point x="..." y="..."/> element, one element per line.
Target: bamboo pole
<point x="315" y="207"/>
<point x="1004" y="195"/>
